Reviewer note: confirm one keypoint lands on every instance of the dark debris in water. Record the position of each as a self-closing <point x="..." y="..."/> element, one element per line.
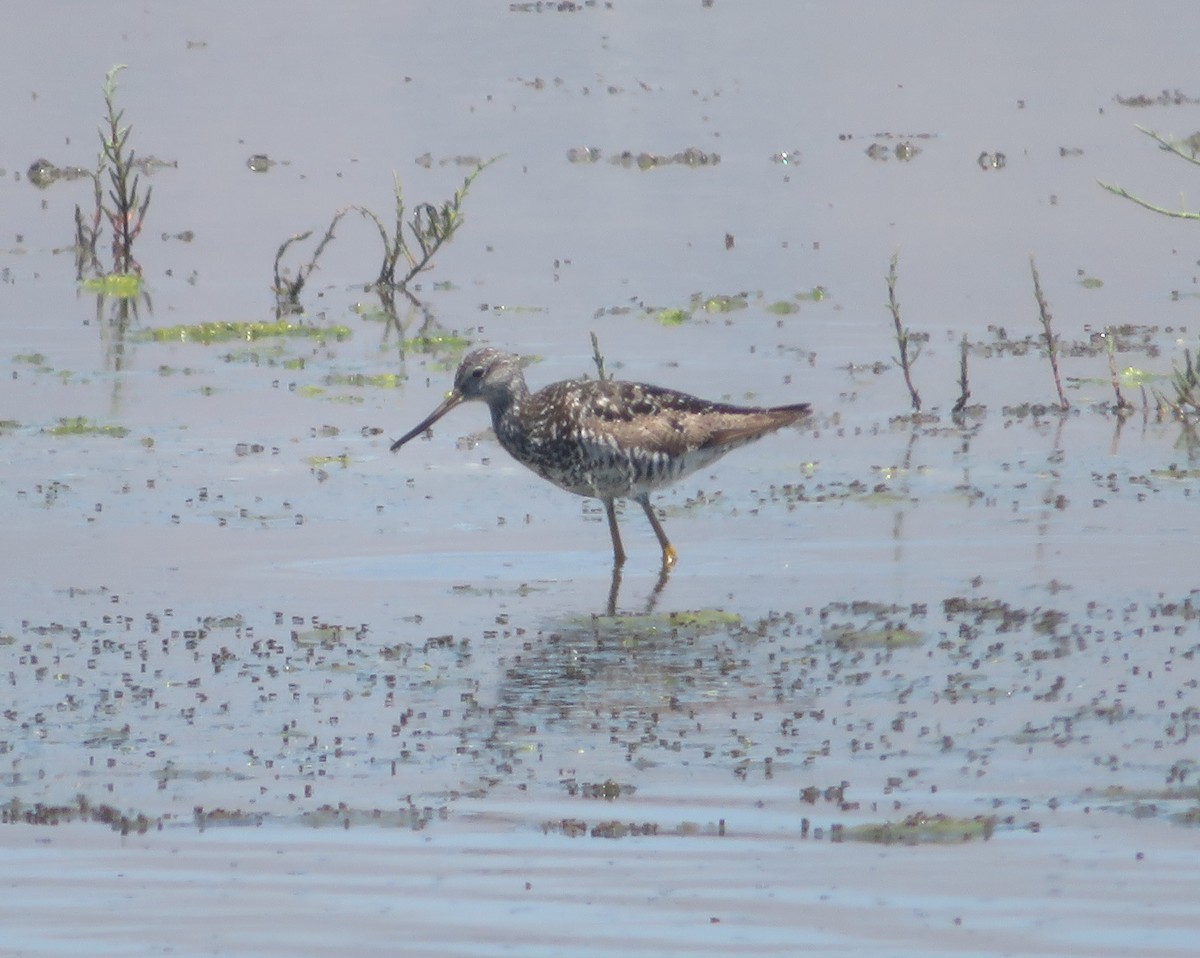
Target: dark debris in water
<point x="301" y="718"/>
<point x="643" y="160"/>
<point x="920" y="828"/>
<point x="14" y="812"/>
<point x="1174" y="97"/>
<point x="558" y="6"/>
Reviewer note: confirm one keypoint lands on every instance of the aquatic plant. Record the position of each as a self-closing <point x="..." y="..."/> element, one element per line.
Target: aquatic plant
<point x="124" y="209"/>
<point x="288" y="291"/>
<point x="1185" y="150"/>
<point x="127" y="213"/>
<point x="1123" y="405"/>
<point x="903" y="336"/>
<point x="1048" y="331"/>
<point x="87" y="235"/>
<point x="430" y="227"/>
<point x="1185" y="383"/>
<point x="964" y="388"/>
<point x="415" y="240"/>
<point x="598" y="359"/>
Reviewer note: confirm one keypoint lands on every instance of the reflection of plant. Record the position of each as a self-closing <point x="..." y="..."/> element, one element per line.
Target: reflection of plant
<point x="429" y="226"/>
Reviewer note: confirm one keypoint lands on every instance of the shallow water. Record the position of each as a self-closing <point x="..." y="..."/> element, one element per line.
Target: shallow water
<point x="380" y="698"/>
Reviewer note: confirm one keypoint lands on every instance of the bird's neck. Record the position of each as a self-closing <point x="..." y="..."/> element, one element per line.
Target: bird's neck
<point x="506" y="407"/>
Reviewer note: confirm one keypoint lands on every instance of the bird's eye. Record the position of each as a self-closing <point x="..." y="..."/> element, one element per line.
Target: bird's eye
<point x="477" y="372"/>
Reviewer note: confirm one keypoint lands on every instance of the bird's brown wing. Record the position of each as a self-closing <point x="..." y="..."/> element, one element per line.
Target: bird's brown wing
<point x="653" y="418"/>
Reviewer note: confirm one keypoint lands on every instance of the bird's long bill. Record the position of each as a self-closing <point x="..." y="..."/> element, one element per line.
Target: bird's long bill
<point x="451" y="400"/>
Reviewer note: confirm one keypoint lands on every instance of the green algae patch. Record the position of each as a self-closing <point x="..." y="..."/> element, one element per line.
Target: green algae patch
<point x="437" y="344"/>
<point x="372" y="313"/>
<point x="320" y="462"/>
<point x="116" y="285"/>
<point x="889" y="636"/>
<point x="80" y="426"/>
<point x="721" y="303"/>
<point x="814" y="295"/>
<point x="922" y="829"/>
<point x="362" y="381"/>
<point x="882" y="496"/>
<point x="704" y="619"/>
<point x="1131" y="377"/>
<point x="672" y="317"/>
<point x="698" y="619"/>
<point x="1174" y="472"/>
<point x="322" y="636"/>
<point x="40" y="364"/>
<point x="223" y="332"/>
<point x="630" y="627"/>
<point x="1135" y="378"/>
<point x="783" y="308"/>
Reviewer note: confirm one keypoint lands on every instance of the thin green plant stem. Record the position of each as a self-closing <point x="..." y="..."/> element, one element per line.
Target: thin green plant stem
<point x="1171" y="146"/>
<point x="1110" y="341"/>
<point x="902" y="335"/>
<point x="598" y="358"/>
<point x="964" y="389"/>
<point x="1048" y="331"/>
<point x="127" y="213"/>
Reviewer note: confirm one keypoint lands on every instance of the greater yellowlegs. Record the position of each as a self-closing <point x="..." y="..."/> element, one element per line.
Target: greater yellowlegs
<point x="606" y="439"/>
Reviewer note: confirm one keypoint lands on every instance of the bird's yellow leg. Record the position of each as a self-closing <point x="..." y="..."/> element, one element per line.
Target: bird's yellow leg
<point x="618" y="550"/>
<point x="669" y="555"/>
